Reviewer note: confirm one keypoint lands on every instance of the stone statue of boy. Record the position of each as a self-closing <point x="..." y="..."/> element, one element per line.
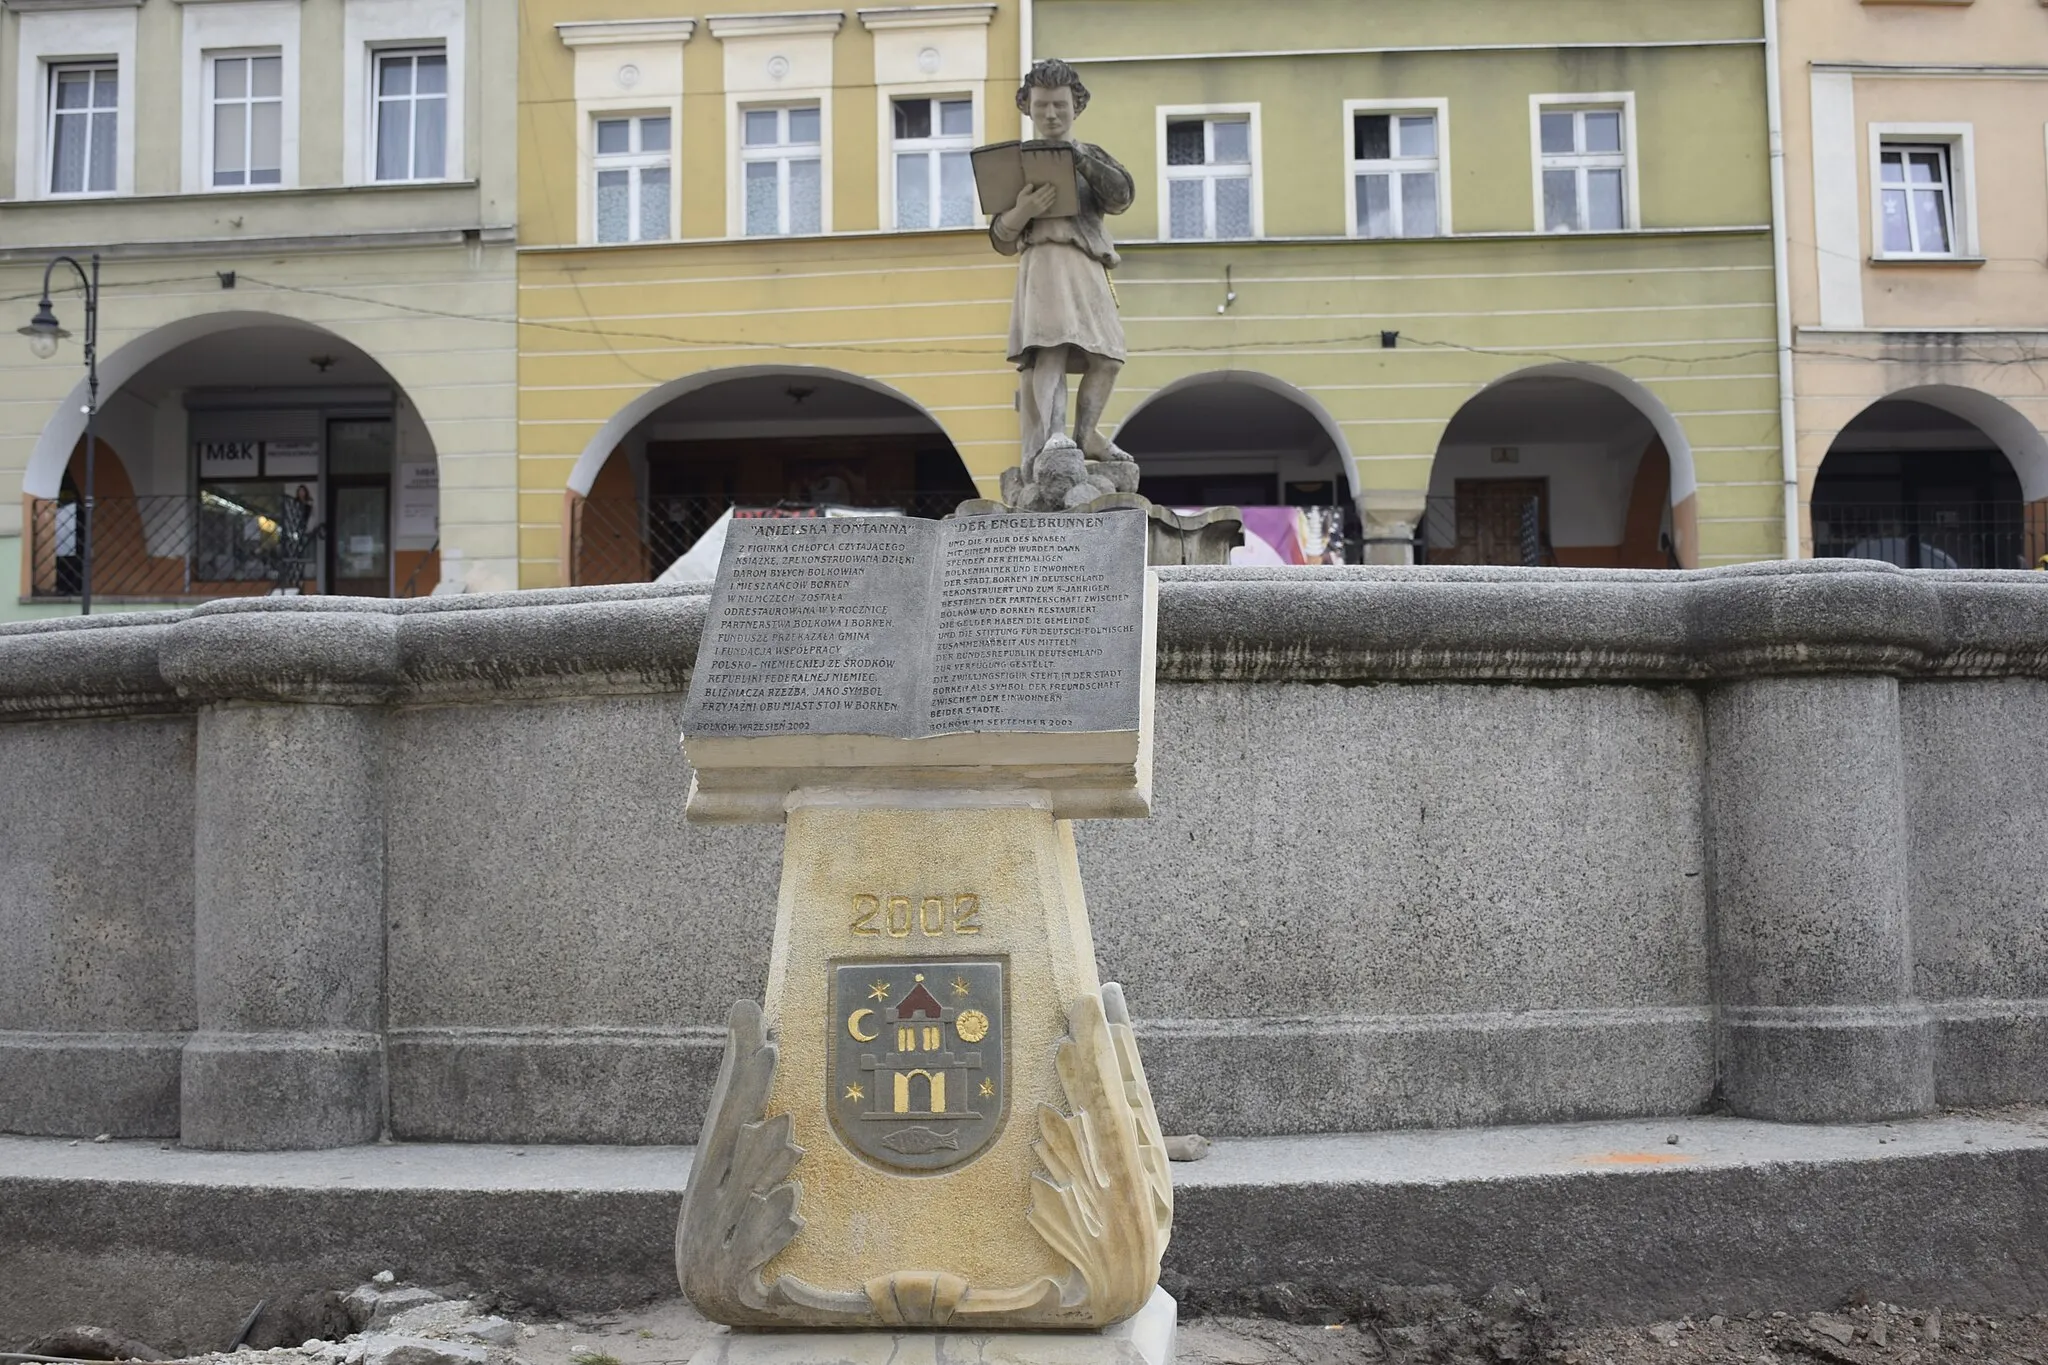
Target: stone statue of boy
<point x="1064" y="320"/>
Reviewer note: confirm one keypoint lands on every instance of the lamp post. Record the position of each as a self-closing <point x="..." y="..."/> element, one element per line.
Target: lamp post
<point x="43" y="333"/>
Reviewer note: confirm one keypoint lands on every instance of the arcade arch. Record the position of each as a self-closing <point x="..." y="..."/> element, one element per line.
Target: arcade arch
<point x="238" y="453"/>
<point x="1934" y="477"/>
<point x="1567" y="464"/>
<point x="1238" y="437"/>
<point x="794" y="440"/>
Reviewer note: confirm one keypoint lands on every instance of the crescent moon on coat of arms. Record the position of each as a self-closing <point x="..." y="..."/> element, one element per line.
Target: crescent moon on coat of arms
<point x="853" y="1027"/>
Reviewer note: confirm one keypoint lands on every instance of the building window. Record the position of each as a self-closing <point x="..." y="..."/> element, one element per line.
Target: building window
<point x="85" y="102"/>
<point x="780" y="152"/>
<point x="934" y="184"/>
<point x="1584" y="169"/>
<point x="248" y="120"/>
<point x="411" y="114"/>
<point x="632" y="166"/>
<point x="1394" y="175"/>
<point x="1209" y="176"/>
<point x="1916" y="189"/>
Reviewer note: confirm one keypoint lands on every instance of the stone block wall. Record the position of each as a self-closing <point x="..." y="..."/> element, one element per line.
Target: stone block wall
<point x="1430" y="847"/>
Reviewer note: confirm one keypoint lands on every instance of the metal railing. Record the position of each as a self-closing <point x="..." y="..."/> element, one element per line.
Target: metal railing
<point x="628" y="540"/>
<point x="172" y="546"/>
<point x="1489" y="532"/>
<point x="1985" y="535"/>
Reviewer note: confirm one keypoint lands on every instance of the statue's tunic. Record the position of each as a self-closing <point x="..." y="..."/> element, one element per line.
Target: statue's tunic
<point x="1063" y="294"/>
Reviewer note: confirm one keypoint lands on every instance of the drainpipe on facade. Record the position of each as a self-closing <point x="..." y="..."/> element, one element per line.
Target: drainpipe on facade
<point x="1788" y="428"/>
<point x="1024" y="38"/>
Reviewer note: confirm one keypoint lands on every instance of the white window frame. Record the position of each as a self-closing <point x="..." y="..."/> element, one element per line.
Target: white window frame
<point x="52" y="73"/>
<point x="373" y="27"/>
<point x="1353" y="168"/>
<point x="633" y="162"/>
<point x="236" y="28"/>
<point x="1174" y="113"/>
<point x="1960" y="140"/>
<point x="780" y="153"/>
<point x="210" y="107"/>
<point x="69" y="37"/>
<point x="603" y="50"/>
<point x="1631" y="196"/>
<point x="932" y="146"/>
<point x="377" y="103"/>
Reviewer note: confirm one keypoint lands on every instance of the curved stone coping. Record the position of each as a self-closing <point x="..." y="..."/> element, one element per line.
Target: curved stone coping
<point x="1349" y="624"/>
<point x="1364" y="624"/>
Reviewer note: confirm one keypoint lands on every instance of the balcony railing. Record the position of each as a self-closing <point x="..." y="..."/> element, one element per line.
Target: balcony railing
<point x="1994" y="535"/>
<point x="626" y="540"/>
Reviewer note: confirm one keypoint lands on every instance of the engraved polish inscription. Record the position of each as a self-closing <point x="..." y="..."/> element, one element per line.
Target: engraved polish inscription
<point x="809" y="629"/>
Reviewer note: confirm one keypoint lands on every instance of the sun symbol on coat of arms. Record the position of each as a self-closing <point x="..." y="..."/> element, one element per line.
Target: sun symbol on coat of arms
<point x="972" y="1026"/>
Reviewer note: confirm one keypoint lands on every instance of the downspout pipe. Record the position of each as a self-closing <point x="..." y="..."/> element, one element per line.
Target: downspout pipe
<point x="1788" y="426"/>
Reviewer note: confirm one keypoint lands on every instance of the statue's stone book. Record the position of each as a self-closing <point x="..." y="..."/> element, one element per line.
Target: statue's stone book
<point x="1003" y="169"/>
<point x="1004" y="650"/>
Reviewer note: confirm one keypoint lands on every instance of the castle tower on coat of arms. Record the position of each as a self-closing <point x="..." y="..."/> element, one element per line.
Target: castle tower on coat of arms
<point x="923" y="1065"/>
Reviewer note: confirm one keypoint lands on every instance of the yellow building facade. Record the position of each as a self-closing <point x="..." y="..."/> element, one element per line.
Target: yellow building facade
<point x="843" y="344"/>
<point x="1492" y="285"/>
<point x="1918" y="230"/>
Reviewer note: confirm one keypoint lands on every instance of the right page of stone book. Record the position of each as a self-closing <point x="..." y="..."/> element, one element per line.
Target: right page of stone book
<point x="1040" y="621"/>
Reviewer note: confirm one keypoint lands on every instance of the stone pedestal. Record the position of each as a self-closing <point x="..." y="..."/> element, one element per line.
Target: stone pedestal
<point x="1807" y="791"/>
<point x="932" y="960"/>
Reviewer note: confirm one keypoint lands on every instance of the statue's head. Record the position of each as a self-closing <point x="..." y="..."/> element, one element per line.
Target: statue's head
<point x="1053" y="97"/>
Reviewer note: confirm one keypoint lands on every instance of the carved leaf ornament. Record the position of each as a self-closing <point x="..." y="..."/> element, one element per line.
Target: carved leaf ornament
<point x="1104" y="1201"/>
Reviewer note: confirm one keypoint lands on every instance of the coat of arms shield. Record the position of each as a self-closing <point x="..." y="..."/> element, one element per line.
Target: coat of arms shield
<point x="917" y="1081"/>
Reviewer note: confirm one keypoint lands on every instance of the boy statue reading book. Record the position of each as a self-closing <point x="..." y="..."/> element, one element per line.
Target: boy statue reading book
<point x="1064" y="320"/>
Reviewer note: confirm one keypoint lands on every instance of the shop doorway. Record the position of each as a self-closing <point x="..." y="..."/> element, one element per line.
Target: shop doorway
<point x="359" y="459"/>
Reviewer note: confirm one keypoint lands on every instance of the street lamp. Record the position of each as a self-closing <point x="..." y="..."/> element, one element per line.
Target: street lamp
<point x="43" y="333"/>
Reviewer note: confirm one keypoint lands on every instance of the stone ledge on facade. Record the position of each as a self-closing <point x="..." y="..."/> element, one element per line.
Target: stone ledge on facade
<point x="776" y="25"/>
<point x="1356" y="624"/>
<point x="927" y="16"/>
<point x="624" y="32"/>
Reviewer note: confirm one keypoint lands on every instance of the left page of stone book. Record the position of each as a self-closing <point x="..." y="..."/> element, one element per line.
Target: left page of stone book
<point x="816" y="627"/>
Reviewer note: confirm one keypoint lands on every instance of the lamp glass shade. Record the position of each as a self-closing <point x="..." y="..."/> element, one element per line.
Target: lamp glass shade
<point x="43" y="331"/>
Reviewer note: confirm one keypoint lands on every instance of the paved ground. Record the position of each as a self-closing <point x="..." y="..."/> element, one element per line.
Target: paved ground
<point x="1873" y="1334"/>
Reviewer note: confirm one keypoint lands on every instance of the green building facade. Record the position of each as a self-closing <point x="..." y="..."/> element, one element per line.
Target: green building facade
<point x="1498" y="276"/>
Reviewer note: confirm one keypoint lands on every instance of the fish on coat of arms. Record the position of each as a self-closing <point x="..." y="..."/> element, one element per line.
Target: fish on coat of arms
<point x="917" y="1080"/>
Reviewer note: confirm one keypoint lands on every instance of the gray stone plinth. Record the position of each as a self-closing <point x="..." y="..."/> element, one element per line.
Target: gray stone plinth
<point x="1615" y="1220"/>
<point x="1146" y="1339"/>
<point x="279" y="1091"/>
<point x="1814" y="946"/>
<point x="289" y="883"/>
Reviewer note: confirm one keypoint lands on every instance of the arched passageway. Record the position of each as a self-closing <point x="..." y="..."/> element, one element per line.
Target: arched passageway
<point x="787" y="441"/>
<point x="1562" y="465"/>
<point x="237" y="454"/>
<point x="1920" y="480"/>
<point x="1241" y="438"/>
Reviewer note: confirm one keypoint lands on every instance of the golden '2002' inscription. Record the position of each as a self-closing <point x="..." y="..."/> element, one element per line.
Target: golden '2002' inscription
<point x="902" y="916"/>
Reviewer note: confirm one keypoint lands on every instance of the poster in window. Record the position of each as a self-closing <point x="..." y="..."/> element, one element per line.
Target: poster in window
<point x="291" y="459"/>
<point x="228" y="459"/>
<point x="419" y="499"/>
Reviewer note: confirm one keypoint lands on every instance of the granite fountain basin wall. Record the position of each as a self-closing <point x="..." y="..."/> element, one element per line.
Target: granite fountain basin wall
<point x="1430" y="847"/>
